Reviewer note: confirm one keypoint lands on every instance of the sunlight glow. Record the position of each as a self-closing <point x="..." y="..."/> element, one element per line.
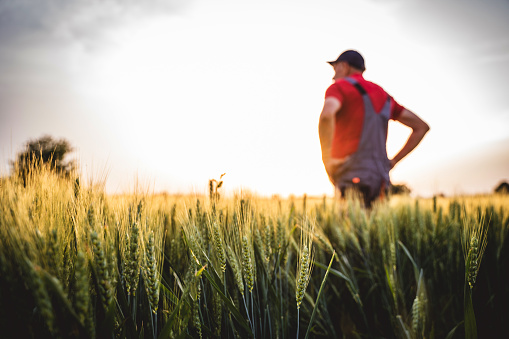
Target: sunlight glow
<point x="175" y="99"/>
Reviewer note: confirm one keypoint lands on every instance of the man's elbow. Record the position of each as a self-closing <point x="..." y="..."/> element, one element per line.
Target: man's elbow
<point x="424" y="127"/>
<point x="421" y="125"/>
<point x="421" y="129"/>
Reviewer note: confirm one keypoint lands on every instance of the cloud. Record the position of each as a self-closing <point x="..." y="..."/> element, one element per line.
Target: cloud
<point x="480" y="25"/>
<point x="470" y="39"/>
<point x="44" y="41"/>
<point x="64" y="21"/>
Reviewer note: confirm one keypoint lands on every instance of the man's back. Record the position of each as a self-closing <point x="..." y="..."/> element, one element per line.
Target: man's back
<point x="350" y="118"/>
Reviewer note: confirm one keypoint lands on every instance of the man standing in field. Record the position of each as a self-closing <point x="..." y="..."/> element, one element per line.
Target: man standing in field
<point x="353" y="130"/>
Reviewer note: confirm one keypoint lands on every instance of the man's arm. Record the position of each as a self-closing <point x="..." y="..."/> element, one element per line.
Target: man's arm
<point x="419" y="129"/>
<point x="326" y="128"/>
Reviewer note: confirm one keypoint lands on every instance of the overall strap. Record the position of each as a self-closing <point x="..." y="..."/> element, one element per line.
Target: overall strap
<point x="365" y="95"/>
<point x="354" y="82"/>
<point x="369" y="162"/>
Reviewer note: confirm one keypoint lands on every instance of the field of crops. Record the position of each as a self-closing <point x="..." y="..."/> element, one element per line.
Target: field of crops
<point x="77" y="263"/>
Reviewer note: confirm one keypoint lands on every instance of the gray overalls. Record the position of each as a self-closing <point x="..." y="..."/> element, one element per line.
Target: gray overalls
<point x="368" y="168"/>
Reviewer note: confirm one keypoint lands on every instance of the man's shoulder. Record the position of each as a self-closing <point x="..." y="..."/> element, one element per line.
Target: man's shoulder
<point x="370" y="86"/>
<point x="358" y="78"/>
<point x="342" y="84"/>
<point x="361" y="80"/>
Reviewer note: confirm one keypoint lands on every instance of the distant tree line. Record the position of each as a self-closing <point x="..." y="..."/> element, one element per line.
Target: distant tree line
<point x="52" y="152"/>
<point x="503" y="188"/>
<point x="44" y="150"/>
<point x="399" y="189"/>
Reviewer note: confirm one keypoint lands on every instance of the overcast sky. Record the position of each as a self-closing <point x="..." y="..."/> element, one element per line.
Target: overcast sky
<point x="175" y="93"/>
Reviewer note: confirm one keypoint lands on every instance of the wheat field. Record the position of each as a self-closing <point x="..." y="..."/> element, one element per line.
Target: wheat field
<point x="78" y="263"/>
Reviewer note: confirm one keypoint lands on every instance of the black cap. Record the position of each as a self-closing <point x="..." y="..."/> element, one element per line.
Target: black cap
<point x="353" y="58"/>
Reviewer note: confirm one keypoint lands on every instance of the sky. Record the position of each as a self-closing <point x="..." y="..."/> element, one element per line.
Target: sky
<point x="169" y="94"/>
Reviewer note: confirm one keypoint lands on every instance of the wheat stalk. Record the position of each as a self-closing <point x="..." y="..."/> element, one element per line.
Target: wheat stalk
<point x="151" y="273"/>
<point x="81" y="293"/>
<point x="104" y="283"/>
<point x="41" y="296"/>
<point x="247" y="264"/>
<point x="416" y="316"/>
<point x="131" y="266"/>
<point x="304" y="266"/>
<point x="219" y="246"/>
<point x="303" y="274"/>
<point x="474" y="243"/>
<point x="236" y="269"/>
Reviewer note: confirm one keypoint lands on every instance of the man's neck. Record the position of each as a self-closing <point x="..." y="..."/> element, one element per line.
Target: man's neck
<point x="354" y="72"/>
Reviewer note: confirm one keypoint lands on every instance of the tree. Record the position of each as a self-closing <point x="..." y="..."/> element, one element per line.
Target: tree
<point x="503" y="188"/>
<point x="399" y="189"/>
<point x="44" y="150"/>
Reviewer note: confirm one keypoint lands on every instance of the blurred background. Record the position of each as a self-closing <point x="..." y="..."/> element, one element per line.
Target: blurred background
<point x="173" y="93"/>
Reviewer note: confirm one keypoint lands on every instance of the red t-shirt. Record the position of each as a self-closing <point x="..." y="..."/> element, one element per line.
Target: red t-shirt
<point x="350" y="117"/>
